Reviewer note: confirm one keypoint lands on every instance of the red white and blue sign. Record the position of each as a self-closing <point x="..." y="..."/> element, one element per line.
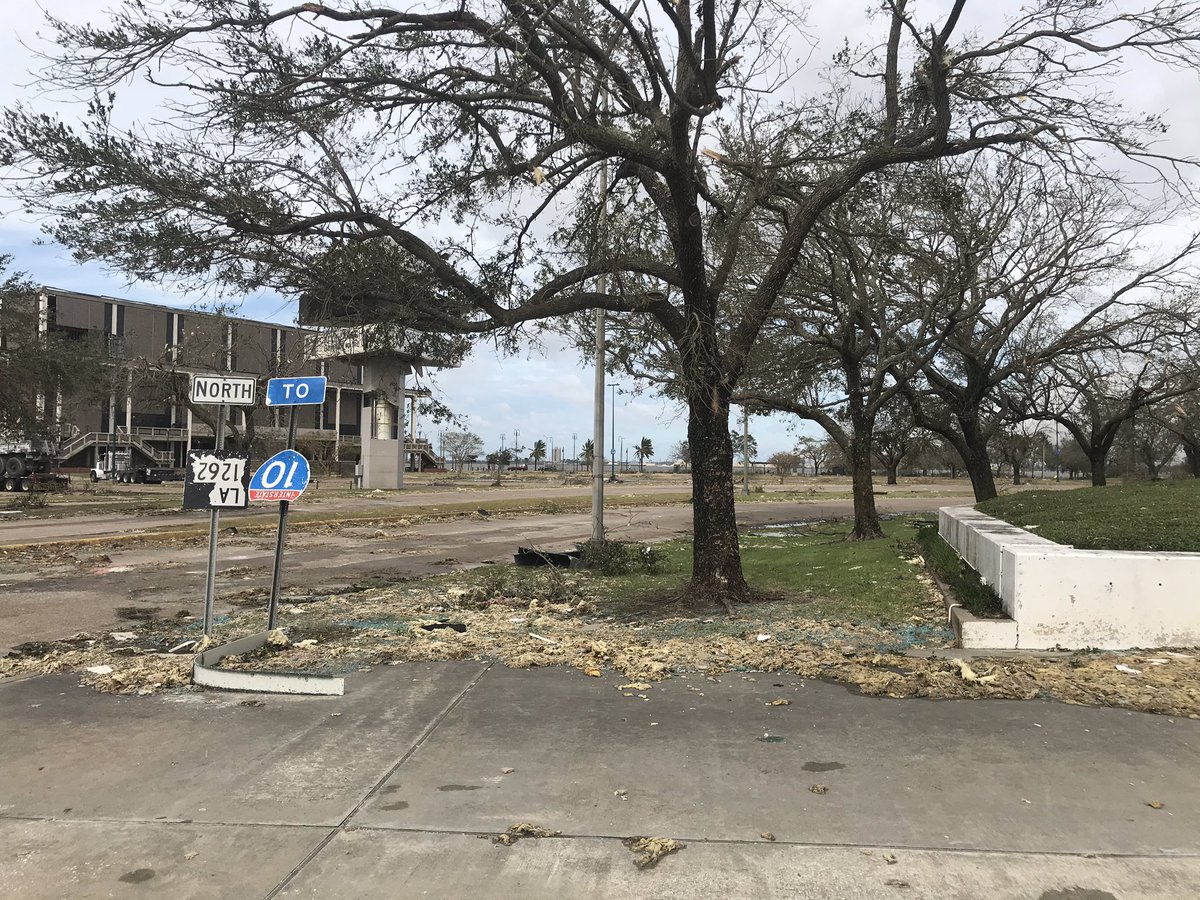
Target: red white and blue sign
<point x="282" y="477"/>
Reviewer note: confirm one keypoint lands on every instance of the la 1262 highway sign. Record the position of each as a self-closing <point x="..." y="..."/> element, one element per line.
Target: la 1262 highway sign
<point x="215" y="479"/>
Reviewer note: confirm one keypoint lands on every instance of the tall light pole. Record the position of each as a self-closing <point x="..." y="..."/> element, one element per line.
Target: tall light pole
<point x="612" y="450"/>
<point x="574" y="458"/>
<point x="598" y="395"/>
<point x="745" y="451"/>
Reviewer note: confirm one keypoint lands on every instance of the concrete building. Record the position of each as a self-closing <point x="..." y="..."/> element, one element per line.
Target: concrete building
<point x="158" y="348"/>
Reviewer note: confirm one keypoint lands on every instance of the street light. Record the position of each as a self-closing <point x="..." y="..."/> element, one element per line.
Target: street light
<point x="574" y="458"/>
<point x="613" y="448"/>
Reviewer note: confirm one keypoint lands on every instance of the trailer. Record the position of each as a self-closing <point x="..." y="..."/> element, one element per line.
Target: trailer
<point x="26" y="468"/>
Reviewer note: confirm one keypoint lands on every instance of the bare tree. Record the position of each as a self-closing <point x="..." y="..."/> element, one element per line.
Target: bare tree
<point x="462" y="447"/>
<point x="1093" y="394"/>
<point x="1017" y="443"/>
<point x="1181" y="416"/>
<point x="897" y="438"/>
<point x="818" y="451"/>
<point x="1054" y="268"/>
<point x="785" y="463"/>
<point x="855" y="326"/>
<point x="440" y="162"/>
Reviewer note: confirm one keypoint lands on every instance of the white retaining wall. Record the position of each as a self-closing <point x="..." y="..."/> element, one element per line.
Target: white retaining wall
<point x="1062" y="597"/>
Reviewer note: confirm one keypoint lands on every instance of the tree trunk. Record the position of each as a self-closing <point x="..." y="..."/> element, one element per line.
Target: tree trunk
<point x="1099" y="470"/>
<point x="716" y="558"/>
<point x="892" y="472"/>
<point x="1016" y="467"/>
<point x="1192" y="455"/>
<point x="975" y="458"/>
<point x="866" y="518"/>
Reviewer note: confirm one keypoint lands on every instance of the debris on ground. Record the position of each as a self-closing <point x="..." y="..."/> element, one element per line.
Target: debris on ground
<point x="780" y="702"/>
<point x="278" y="639"/>
<point x="507" y="770"/>
<point x="546" y="624"/>
<point x="514" y="833"/>
<point x="968" y="674"/>
<point x="647" y="851"/>
<point x="1155" y="804"/>
<point x="819" y="788"/>
<point x="767" y="836"/>
<point x="890" y="858"/>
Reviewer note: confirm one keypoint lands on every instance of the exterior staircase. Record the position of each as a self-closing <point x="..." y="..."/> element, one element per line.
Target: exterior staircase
<point x="138" y="439"/>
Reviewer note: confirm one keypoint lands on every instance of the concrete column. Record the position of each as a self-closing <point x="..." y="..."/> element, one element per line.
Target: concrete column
<point x="401" y="458"/>
<point x="337" y="424"/>
<point x="129" y="403"/>
<point x="383" y="418"/>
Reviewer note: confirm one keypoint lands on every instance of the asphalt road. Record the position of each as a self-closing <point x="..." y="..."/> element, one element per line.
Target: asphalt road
<point x="79" y="590"/>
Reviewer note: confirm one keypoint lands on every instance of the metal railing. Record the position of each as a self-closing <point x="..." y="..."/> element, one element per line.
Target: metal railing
<point x="121" y="438"/>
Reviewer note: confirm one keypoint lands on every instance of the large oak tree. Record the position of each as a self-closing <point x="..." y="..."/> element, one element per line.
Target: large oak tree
<point x="440" y="160"/>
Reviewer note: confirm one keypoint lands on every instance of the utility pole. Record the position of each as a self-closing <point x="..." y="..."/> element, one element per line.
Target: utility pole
<point x="574" y="458"/>
<point x="598" y="394"/>
<point x="1057" y="455"/>
<point x="612" y="448"/>
<point x="745" y="451"/>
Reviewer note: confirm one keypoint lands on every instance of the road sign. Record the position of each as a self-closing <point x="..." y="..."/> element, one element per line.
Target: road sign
<point x="215" y="479"/>
<point x="231" y="390"/>
<point x="296" y="391"/>
<point x="282" y="477"/>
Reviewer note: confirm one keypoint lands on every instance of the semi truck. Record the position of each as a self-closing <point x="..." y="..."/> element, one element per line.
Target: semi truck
<point x="119" y="468"/>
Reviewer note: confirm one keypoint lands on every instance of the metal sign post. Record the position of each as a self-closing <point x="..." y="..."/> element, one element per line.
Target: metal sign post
<point x="224" y="391"/>
<point x="214" y="520"/>
<point x="280" y="535"/>
<point x="285" y="475"/>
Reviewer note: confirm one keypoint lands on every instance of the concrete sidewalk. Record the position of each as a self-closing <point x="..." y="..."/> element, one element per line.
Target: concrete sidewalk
<point x="385" y="792"/>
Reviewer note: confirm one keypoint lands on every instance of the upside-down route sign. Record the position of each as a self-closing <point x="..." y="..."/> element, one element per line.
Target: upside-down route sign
<point x="282" y="477"/>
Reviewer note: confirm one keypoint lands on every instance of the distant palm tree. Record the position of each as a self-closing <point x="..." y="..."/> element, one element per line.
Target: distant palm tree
<point x="644" y="451"/>
<point x="538" y="453"/>
<point x="589" y="448"/>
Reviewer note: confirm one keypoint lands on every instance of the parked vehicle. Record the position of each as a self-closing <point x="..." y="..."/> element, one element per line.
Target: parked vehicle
<point x="25" y="468"/>
<point x="520" y="467"/>
<point x="120" y="470"/>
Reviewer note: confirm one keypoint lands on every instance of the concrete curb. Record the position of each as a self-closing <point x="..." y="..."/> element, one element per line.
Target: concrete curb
<point x="204" y="673"/>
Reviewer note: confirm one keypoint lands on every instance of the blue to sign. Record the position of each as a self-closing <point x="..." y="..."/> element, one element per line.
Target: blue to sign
<point x="282" y="477"/>
<point x="296" y="391"/>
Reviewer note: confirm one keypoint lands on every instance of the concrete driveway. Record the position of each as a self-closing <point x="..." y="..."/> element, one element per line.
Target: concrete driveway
<point x="393" y="790"/>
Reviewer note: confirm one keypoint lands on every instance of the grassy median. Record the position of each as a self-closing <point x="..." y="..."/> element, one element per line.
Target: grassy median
<point x="1157" y="515"/>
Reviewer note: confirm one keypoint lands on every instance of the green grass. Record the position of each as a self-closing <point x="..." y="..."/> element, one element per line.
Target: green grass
<point x="961" y="579"/>
<point x="1158" y="515"/>
<point x="813" y="571"/>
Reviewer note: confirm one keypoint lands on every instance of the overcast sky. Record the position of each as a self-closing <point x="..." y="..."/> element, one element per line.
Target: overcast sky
<point x="546" y="393"/>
